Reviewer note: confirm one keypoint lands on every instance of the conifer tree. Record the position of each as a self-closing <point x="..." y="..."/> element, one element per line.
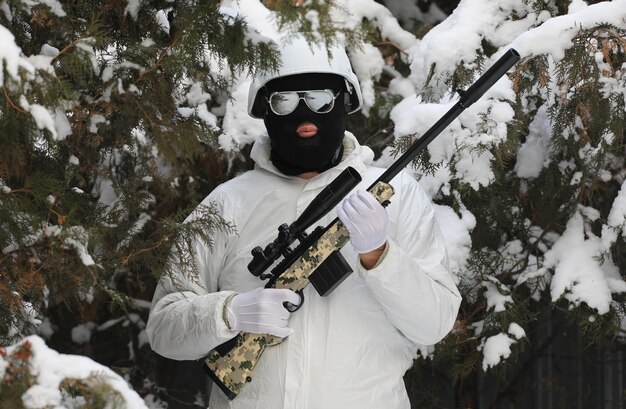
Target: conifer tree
<point x="108" y="140"/>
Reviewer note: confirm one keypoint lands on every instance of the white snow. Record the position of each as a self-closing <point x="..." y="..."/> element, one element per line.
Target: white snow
<point x="380" y="17"/>
<point x="162" y="21"/>
<point x="578" y="274"/>
<point x="367" y="72"/>
<point x="562" y="29"/>
<point x="51" y="368"/>
<point x="495" y="299"/>
<point x="240" y="128"/>
<point x="55" y="6"/>
<point x="616" y="220"/>
<point x="196" y="96"/>
<point x="61" y="124"/>
<point x="532" y="156"/>
<point x="496" y="348"/>
<point x="458" y="240"/>
<point x="4" y="7"/>
<point x="77" y="239"/>
<point x="96" y="119"/>
<point x="133" y="8"/>
<point x="43" y="118"/>
<point x="81" y="333"/>
<point x="517" y="331"/>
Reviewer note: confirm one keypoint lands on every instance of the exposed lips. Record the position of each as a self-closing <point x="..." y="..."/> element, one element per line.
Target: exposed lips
<point x="306" y="130"/>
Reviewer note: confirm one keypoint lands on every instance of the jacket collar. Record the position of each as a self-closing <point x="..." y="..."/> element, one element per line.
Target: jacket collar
<point x="354" y="154"/>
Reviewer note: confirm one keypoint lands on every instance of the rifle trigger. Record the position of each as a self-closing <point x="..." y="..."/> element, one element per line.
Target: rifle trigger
<point x="293" y="307"/>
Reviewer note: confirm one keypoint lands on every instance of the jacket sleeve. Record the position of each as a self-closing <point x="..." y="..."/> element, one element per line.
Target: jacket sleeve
<point x="413" y="282"/>
<point x="185" y="320"/>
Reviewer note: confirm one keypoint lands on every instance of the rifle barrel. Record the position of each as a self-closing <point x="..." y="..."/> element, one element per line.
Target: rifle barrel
<point x="473" y="93"/>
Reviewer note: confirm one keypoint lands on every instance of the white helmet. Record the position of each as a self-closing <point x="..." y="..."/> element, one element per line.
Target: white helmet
<point x="300" y="57"/>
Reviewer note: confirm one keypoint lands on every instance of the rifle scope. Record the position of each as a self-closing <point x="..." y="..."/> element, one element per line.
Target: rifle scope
<point x="325" y="201"/>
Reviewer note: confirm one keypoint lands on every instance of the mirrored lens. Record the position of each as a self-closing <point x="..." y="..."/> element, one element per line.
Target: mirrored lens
<point x="283" y="103"/>
<point x="320" y="101"/>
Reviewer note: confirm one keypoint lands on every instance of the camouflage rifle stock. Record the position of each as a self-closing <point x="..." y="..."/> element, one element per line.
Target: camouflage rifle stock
<point x="317" y="259"/>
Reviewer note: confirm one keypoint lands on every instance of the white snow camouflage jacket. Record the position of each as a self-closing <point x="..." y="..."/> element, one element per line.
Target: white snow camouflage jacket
<point x="350" y="349"/>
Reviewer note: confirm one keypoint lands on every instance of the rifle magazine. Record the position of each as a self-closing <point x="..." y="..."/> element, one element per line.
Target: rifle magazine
<point x="330" y="273"/>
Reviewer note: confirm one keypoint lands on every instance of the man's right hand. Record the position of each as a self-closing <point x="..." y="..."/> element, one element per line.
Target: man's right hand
<point x="261" y="311"/>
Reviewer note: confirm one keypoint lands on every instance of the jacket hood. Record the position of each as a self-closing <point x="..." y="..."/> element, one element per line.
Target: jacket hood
<point x="354" y="154"/>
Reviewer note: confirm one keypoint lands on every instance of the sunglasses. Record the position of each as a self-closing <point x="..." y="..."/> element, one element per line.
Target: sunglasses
<point x="320" y="101"/>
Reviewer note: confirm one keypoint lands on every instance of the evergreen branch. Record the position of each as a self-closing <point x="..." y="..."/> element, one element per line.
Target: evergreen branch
<point x="60" y="217"/>
<point x="126" y="259"/>
<point x="158" y="62"/>
<point x="145" y="115"/>
<point x="20" y="190"/>
<point x="524" y="264"/>
<point x="8" y="98"/>
<point x="67" y="48"/>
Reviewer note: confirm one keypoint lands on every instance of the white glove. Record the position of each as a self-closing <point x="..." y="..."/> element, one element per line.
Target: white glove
<point x="365" y="219"/>
<point x="261" y="311"/>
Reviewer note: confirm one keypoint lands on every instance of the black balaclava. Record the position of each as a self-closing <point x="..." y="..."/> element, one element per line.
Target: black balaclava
<point x="292" y="154"/>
